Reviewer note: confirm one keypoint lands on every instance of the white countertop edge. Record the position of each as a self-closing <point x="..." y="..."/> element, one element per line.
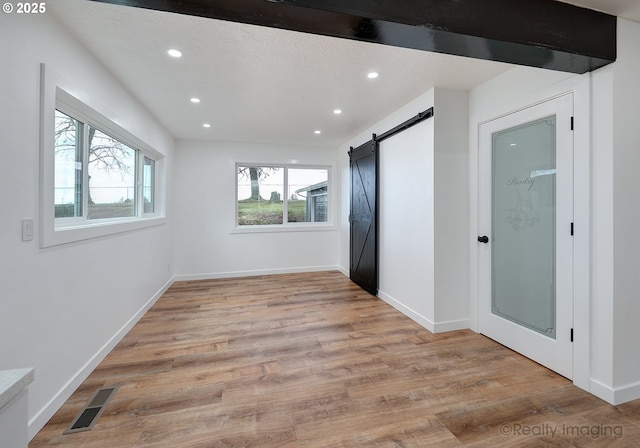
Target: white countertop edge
<point x="12" y="382"/>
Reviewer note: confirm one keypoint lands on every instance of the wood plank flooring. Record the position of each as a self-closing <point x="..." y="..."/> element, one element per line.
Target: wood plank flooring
<point x="311" y="360"/>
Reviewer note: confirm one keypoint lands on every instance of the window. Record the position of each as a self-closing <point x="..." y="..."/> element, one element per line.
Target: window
<point x="109" y="189"/>
<point x="68" y="166"/>
<point x="307" y="195"/>
<point x="148" y="182"/>
<point x="281" y="195"/>
<point x="96" y="177"/>
<point x="111" y="184"/>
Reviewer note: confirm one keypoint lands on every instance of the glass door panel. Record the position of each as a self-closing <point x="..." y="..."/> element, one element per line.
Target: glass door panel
<point x="523" y="225"/>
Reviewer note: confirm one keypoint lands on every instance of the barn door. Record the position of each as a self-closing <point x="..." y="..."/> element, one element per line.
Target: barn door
<point x="363" y="216"/>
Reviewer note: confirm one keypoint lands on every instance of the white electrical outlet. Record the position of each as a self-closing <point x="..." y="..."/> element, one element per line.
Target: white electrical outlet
<point x="27" y="229"/>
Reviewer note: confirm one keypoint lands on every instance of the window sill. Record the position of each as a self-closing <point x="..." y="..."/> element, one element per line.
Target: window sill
<point x="74" y="233"/>
<point x="306" y="227"/>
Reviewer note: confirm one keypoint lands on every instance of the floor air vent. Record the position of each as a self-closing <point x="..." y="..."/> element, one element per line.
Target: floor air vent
<point x="92" y="411"/>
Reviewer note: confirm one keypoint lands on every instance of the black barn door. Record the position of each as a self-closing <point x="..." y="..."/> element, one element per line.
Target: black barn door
<point x="364" y="216"/>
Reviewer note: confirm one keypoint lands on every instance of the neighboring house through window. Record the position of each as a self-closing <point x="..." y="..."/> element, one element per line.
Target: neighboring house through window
<point x="284" y="196"/>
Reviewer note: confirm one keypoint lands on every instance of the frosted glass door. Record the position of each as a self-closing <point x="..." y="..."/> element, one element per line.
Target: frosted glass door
<point x="523" y="225"/>
<point x="525" y="222"/>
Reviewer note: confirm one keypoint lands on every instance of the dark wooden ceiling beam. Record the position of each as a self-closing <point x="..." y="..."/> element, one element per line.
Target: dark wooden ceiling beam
<point x="538" y="33"/>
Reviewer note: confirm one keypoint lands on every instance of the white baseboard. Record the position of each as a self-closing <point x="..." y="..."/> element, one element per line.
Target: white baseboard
<point x="601" y="390"/>
<point x="627" y="393"/>
<point x="407" y="311"/>
<point x="232" y="274"/>
<point x="433" y="327"/>
<point x="452" y="325"/>
<point x="43" y="415"/>
<point x="615" y="396"/>
<point x="344" y="270"/>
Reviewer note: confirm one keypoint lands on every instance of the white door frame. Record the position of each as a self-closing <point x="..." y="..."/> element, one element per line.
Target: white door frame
<point x="581" y="88"/>
<point x="554" y="352"/>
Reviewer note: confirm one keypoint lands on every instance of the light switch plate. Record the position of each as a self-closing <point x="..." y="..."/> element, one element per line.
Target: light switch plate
<point x="27" y="229"/>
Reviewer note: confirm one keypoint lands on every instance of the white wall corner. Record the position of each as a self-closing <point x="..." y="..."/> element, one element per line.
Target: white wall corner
<point x="451" y="325"/>
<point x="451" y="205"/>
<point x="42" y="416"/>
<point x="404" y="309"/>
<point x="614" y="395"/>
<point x="602" y="391"/>
<point x="625" y="211"/>
<point x="626" y="393"/>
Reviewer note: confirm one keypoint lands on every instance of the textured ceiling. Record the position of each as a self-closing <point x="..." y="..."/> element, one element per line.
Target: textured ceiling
<point x="258" y="84"/>
<point x="629" y="9"/>
<point x="261" y="84"/>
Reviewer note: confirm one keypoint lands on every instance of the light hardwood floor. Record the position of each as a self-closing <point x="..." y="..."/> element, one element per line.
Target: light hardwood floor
<point x="311" y="360"/>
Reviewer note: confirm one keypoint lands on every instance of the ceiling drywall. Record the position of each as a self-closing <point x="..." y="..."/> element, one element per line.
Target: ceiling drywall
<point x="258" y="84"/>
<point x="629" y="9"/>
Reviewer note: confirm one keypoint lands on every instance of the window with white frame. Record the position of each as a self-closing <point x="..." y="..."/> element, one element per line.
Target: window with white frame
<point x="282" y="195"/>
<point x="98" y="177"/>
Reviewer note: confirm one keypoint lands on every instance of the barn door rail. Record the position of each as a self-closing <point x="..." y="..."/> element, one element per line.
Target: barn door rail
<point x="406" y="125"/>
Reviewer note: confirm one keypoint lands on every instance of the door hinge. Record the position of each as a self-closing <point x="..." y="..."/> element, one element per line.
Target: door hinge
<point x="571" y="229"/>
<point x="572" y="335"/>
<point x="572" y="123"/>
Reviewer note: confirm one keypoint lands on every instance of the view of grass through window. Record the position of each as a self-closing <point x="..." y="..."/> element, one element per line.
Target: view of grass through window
<point x="266" y="192"/>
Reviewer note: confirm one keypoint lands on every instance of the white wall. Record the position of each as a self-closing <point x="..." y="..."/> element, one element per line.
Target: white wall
<point x="615" y="242"/>
<point x="514" y="90"/>
<point x="406" y="223"/>
<point x="398" y="284"/>
<point x="205" y="243"/>
<point x="64" y="307"/>
<point x="606" y="208"/>
<point x="626" y="216"/>
<point x="420" y="104"/>
<point x="602" y="265"/>
<point x="422" y="239"/>
<point x="451" y="209"/>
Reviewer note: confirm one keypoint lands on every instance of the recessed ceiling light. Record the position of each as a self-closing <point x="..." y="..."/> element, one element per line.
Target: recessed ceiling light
<point x="317" y="132"/>
<point x="337" y="111"/>
<point x="195" y="100"/>
<point x="206" y="125"/>
<point x="372" y="75"/>
<point x="174" y="53"/>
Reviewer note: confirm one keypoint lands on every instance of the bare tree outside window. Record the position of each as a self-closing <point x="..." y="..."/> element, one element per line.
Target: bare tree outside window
<point x="111" y="169"/>
<point x="263" y="195"/>
<point x="110" y="172"/>
<point x="68" y="166"/>
<point x="262" y="203"/>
